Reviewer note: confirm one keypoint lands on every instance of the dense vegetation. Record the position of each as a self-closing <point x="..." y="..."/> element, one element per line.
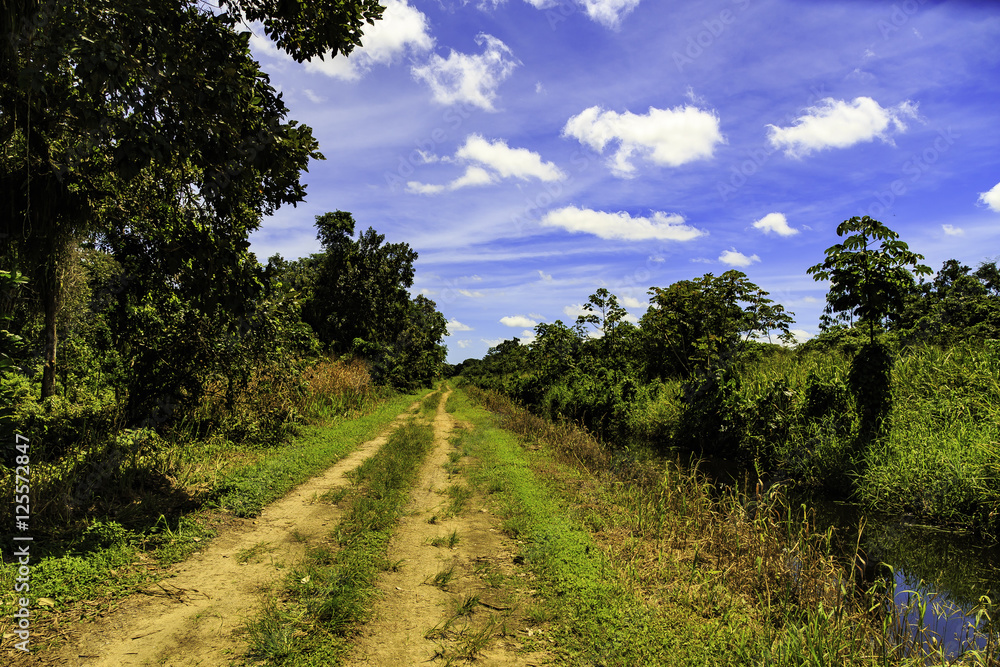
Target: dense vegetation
<point x="894" y="404"/>
<point x="137" y="330"/>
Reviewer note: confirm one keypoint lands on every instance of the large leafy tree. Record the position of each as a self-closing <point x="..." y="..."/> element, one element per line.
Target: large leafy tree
<point x="695" y="324"/>
<point x="360" y="286"/>
<point x="959" y="304"/>
<point x="149" y="122"/>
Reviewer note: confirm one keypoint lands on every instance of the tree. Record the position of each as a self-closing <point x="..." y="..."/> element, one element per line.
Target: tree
<point x="956" y="306"/>
<point x="102" y="99"/>
<point x="867" y="282"/>
<point x="608" y="317"/>
<point x="871" y="284"/>
<point x="360" y="288"/>
<point x="695" y="324"/>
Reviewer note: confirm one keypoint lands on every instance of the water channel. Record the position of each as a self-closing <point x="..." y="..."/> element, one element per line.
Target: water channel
<point x="943" y="579"/>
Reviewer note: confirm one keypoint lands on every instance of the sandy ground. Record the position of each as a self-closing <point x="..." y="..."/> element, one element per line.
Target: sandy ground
<point x="410" y="624"/>
<point x="189" y="618"/>
<point x="193" y="616"/>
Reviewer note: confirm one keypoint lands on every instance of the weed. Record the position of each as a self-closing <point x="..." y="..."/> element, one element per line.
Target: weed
<point x="467" y="605"/>
<point x="446" y="541"/>
<point x="253" y="553"/>
<point x="442" y="578"/>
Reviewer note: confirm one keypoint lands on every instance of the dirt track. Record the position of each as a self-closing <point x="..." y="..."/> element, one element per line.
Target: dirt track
<point x="192" y="616"/>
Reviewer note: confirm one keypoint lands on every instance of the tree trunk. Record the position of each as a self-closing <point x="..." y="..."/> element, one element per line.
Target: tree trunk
<point x="52" y="297"/>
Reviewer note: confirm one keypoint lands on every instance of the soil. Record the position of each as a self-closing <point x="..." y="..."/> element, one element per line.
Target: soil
<point x="193" y="616"/>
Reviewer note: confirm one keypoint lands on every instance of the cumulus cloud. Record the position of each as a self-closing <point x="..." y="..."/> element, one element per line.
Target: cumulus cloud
<point x="621" y="225"/>
<point x="455" y="325"/>
<point x="576" y="311"/>
<point x="473" y="79"/>
<point x="991" y="198"/>
<point x="632" y="302"/>
<point x="668" y="137"/>
<point x="463" y="343"/>
<point x="508" y="162"/>
<point x="490" y="162"/>
<point x="547" y="277"/>
<point x="402" y="29"/>
<point x="952" y="230"/>
<point x="734" y="258"/>
<point x="518" y="321"/>
<point x="840" y="124"/>
<point x="775" y="223"/>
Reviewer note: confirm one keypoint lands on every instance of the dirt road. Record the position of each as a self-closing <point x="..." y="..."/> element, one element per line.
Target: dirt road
<point x="193" y="615"/>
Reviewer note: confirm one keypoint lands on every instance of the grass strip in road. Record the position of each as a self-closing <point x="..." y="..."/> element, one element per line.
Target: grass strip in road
<point x="109" y="562"/>
<point x="246" y="492"/>
<point x="331" y="591"/>
<point x="596" y="616"/>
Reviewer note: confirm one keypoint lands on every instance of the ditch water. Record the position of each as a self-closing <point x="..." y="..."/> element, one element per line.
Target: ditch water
<point x="940" y="576"/>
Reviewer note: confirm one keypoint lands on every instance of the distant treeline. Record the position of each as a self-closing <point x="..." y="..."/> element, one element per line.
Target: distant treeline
<point x="896" y="401"/>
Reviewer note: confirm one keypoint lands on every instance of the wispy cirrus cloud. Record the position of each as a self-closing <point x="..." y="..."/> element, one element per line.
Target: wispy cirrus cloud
<point x="490" y="162"/>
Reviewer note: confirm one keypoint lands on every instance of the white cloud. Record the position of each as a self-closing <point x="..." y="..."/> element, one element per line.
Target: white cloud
<point x="547" y="277"/>
<point x="733" y="258"/>
<point x="800" y="335"/>
<point x="469" y="78"/>
<point x="313" y="97"/>
<point x="670" y="137"/>
<point x="952" y="230"/>
<point x="463" y="343"/>
<point x="455" y="325"/>
<point x="609" y="12"/>
<point x="632" y="302"/>
<point x="775" y="223"/>
<point x="470" y="294"/>
<point x="576" y="311"/>
<point x="402" y="28"/>
<point x="991" y="198"/>
<point x="508" y="162"/>
<point x="840" y="124"/>
<point x="621" y="225"/>
<point x="419" y="188"/>
<point x="517" y="321"/>
<point x="491" y="162"/>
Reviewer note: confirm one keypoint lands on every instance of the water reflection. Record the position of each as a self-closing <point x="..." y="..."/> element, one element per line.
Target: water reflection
<point x="941" y="580"/>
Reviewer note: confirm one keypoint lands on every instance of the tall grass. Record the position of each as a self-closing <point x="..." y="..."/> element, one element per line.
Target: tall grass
<point x="745" y="554"/>
<point x="85" y="462"/>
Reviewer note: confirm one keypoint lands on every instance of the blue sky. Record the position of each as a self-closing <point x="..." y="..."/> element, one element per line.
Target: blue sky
<point x="533" y="151"/>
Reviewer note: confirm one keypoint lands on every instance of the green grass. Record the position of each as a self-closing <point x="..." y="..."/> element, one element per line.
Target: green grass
<point x="108" y="562"/>
<point x="646" y="563"/>
<point x="245" y="492"/>
<point x="331" y="592"/>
